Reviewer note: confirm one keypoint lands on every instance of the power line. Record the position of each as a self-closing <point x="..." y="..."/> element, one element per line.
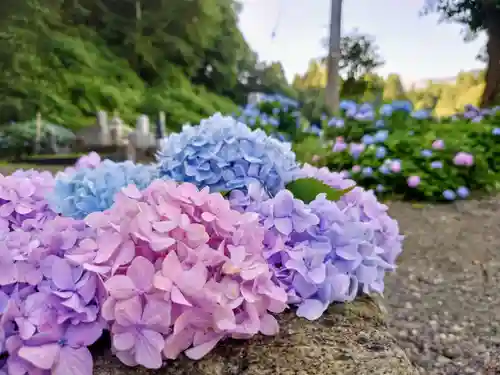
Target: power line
<point x="278" y="20"/>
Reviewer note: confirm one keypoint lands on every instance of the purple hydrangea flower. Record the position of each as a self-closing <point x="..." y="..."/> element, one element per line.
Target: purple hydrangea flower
<point x="336" y="249"/>
<point x="413" y="181"/>
<point x="22" y="200"/>
<point x="463" y="159"/>
<point x="438" y="144"/>
<point x="52" y="310"/>
<point x="355" y="149"/>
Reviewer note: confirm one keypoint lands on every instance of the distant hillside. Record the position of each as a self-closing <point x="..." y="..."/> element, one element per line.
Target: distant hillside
<point x="420" y="84"/>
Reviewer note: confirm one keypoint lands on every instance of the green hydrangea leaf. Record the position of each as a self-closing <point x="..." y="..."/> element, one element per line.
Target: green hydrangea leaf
<point x="307" y="189"/>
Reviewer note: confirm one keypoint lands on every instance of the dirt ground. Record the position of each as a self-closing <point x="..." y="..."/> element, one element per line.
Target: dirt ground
<point x="444" y="300"/>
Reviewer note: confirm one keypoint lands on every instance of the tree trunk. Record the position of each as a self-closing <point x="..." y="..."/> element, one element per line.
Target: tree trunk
<point x="492" y="87"/>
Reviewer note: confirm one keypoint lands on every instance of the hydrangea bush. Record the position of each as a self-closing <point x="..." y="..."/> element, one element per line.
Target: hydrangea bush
<point x="214" y="241"/>
<point x="394" y="150"/>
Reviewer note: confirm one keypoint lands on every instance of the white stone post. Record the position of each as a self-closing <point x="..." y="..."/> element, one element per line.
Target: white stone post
<point x="38" y="135"/>
<point x="142" y="131"/>
<point x="102" y="121"/>
<point x="117" y="126"/>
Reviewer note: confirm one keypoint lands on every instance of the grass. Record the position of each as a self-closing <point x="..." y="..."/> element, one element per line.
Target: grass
<point x="9" y="167"/>
<point x="61" y="156"/>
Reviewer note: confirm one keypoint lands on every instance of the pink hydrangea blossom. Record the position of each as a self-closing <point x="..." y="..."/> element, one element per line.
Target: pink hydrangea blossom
<point x="438" y="144"/>
<point x="395" y="166"/>
<point x="183" y="271"/>
<point x="413" y="181"/>
<point x="463" y="159"/>
<point x="91" y="161"/>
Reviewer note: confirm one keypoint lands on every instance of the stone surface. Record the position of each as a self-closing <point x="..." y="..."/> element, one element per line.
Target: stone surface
<point x="350" y="339"/>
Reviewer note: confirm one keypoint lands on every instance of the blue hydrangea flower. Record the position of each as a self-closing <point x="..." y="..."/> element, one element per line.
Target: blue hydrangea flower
<point x="463" y="192"/>
<point x="386" y="110"/>
<point x="381" y="135"/>
<point x="437" y="164"/>
<point x="381" y="152"/>
<point x="93" y="190"/>
<point x="384" y="169"/>
<point x="348" y="105"/>
<point x="367" y="171"/>
<point x="426" y="153"/>
<point x="380" y="188"/>
<point x="379" y="124"/>
<point x="336" y="122"/>
<point x="449" y="195"/>
<point x="495" y="131"/>
<point x="224" y="154"/>
<point x="367" y="139"/>
<point x="402" y="105"/>
<point x="421" y="114"/>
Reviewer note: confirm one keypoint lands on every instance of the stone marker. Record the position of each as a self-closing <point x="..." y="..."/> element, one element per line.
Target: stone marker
<point x="117" y="130"/>
<point x="350" y="339"/>
<point x="142" y="132"/>
<point x="102" y="122"/>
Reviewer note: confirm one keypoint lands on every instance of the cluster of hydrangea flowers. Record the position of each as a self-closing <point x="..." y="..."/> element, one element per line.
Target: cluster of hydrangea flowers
<point x="169" y="265"/>
<point x="224" y="154"/>
<point x="183" y="271"/>
<point x="325" y="251"/>
<point x="91" y="161"/>
<point x="22" y="200"/>
<point x="50" y="304"/>
<point x="91" y="190"/>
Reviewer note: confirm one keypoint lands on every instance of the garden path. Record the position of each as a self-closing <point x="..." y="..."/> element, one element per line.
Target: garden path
<point x="444" y="299"/>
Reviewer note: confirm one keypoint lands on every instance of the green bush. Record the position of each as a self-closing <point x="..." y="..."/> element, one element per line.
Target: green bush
<point x="17" y="139"/>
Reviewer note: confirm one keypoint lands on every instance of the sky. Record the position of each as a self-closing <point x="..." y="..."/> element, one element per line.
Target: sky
<point x="413" y="46"/>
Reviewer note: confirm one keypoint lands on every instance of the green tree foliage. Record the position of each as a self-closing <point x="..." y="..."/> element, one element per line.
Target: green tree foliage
<point x="393" y="88"/>
<point x="359" y="58"/>
<point x="477" y="15"/>
<point x="452" y="96"/>
<point x="70" y="58"/>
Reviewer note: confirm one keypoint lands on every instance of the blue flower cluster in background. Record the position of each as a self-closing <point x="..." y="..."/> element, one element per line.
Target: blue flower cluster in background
<point x="384" y="147"/>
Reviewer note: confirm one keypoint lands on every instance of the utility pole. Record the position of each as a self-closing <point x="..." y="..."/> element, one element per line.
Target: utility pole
<point x="332" y="94"/>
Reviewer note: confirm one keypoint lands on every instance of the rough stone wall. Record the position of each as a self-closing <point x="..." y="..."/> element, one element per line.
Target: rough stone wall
<point x="350" y="339"/>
